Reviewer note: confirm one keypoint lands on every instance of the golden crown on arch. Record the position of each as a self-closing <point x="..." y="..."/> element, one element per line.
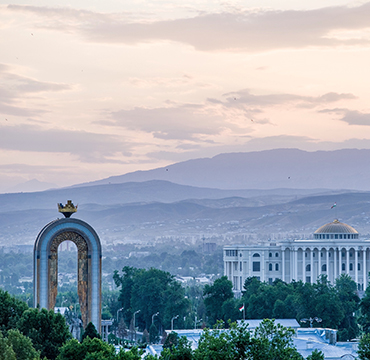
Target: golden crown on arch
<point x="68" y="209"/>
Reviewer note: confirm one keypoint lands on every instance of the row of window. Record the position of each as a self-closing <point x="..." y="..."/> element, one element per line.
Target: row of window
<point x="256" y="266"/>
<point x="231" y="252"/>
<point x="235" y="253"/>
<point x="322" y="254"/>
<point x="336" y="236"/>
<point x="323" y="267"/>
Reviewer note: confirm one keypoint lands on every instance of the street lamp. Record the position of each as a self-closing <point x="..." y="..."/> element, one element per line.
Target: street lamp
<point x="156" y="314"/>
<point x="117" y="320"/>
<point x="117" y="314"/>
<point x="311" y="320"/>
<point x="175" y="317"/>
<point x="136" y="312"/>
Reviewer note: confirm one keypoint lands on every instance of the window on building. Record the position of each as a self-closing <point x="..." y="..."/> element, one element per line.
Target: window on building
<point x="241" y="266"/>
<point x="336" y="236"/>
<point x="256" y="266"/>
<point x="276" y="254"/>
<point x="350" y="254"/>
<point x="305" y="254"/>
<point x="340" y="236"/>
<point x="231" y="252"/>
<point x="276" y="267"/>
<point x="358" y="266"/>
<point x="308" y="267"/>
<point x="343" y="267"/>
<point x="235" y="266"/>
<point x="313" y="254"/>
<point x="322" y="254"/>
<point x="270" y="281"/>
<point x="256" y="255"/>
<point x="270" y="254"/>
<point x="350" y="267"/>
<point x="270" y="267"/>
<point x="308" y="279"/>
<point x="323" y="268"/>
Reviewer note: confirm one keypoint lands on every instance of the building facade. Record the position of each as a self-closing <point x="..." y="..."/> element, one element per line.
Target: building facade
<point x="336" y="249"/>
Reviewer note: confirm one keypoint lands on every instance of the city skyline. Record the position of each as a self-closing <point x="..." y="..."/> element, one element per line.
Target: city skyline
<point x="95" y="89"/>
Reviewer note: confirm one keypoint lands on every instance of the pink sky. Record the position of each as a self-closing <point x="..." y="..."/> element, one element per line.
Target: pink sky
<point x="90" y="89"/>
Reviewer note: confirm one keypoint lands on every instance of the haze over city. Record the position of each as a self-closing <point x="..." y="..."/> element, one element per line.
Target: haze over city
<point x="92" y="89"/>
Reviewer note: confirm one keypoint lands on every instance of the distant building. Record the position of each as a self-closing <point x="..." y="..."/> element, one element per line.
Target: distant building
<point x="336" y="249"/>
<point x="209" y="247"/>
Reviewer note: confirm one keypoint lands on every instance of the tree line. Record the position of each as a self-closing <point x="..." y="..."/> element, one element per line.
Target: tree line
<point x="160" y="302"/>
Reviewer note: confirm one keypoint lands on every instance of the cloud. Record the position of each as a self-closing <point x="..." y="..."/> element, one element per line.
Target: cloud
<point x="236" y="115"/>
<point x="181" y="122"/>
<point x="87" y="146"/>
<point x="245" y="97"/>
<point x="351" y="117"/>
<point x="236" y="30"/>
<point x="14" y="89"/>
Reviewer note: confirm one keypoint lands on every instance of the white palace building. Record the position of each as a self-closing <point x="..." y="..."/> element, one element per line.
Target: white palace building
<point x="336" y="249"/>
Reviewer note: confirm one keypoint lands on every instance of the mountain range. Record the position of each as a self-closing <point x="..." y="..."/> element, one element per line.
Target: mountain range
<point x="270" y="169"/>
<point x="140" y="207"/>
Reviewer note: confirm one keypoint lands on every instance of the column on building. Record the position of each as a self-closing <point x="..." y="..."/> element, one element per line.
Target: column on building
<point x="327" y="263"/>
<point x="311" y="264"/>
<point x="364" y="266"/>
<point x="319" y="250"/>
<point x="335" y="264"/>
<point x="356" y="267"/>
<point x="283" y="264"/>
<point x="263" y="273"/>
<point x="347" y="261"/>
<point x="250" y="262"/>
<point x="291" y="260"/>
<point x="304" y="265"/>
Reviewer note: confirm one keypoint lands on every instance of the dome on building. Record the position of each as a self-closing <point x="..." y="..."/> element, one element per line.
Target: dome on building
<point x="336" y="230"/>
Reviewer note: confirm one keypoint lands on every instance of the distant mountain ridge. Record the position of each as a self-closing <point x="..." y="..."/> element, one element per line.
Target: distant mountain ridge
<point x="269" y="169"/>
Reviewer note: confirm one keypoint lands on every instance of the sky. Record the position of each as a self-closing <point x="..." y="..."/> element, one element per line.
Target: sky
<point x="91" y="89"/>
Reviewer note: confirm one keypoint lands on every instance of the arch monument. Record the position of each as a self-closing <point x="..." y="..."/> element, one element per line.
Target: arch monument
<point x="89" y="254"/>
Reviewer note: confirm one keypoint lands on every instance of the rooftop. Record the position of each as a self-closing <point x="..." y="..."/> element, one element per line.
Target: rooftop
<point x="336" y="227"/>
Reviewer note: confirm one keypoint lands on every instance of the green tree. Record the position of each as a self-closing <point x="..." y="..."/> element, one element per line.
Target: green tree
<point x="364" y="348"/>
<point x="89" y="349"/>
<point x="221" y="344"/>
<point x="47" y="330"/>
<point x="316" y="355"/>
<point x="365" y="311"/>
<point x="171" y="340"/>
<point x="151" y="291"/>
<point x="11" y="309"/>
<point x="22" y="346"/>
<point x="90" y="332"/>
<point x="133" y="354"/>
<point x="214" y="297"/>
<point x="181" y="351"/>
<point x="6" y="350"/>
<point x="272" y="341"/>
<point x="346" y="289"/>
<point x="153" y="334"/>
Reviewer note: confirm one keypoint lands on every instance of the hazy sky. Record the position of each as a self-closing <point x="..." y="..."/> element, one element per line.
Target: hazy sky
<point x="90" y="88"/>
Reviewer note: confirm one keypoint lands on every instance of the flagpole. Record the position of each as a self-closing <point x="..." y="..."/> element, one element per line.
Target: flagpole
<point x="243" y="312"/>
